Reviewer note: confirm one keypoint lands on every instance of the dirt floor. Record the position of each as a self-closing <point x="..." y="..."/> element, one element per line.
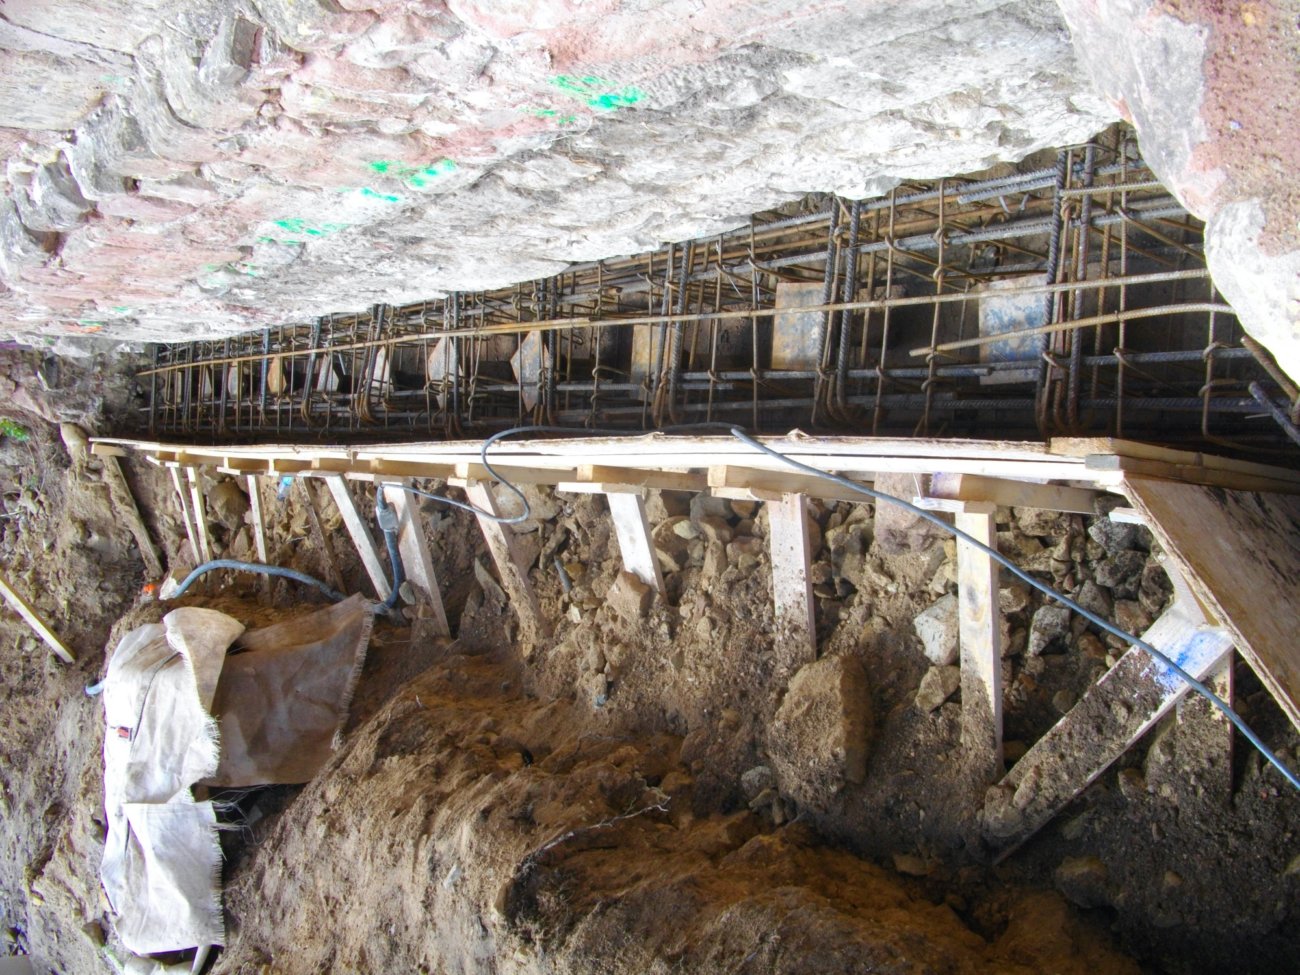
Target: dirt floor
<point x="653" y="788"/>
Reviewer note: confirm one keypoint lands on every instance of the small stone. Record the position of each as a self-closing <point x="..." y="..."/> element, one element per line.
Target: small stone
<point x="1132" y="784"/>
<point x="707" y="506"/>
<point x="911" y="865"/>
<point x="1122" y="572"/>
<point x="822" y="732"/>
<point x="1131" y="617"/>
<point x="938" y="684"/>
<point x="744" y="509"/>
<point x="715" y="562"/>
<point x="1095" y="599"/>
<point x="1013" y="598"/>
<point x="1049" y="624"/>
<point x="1063" y="701"/>
<point x="683" y="528"/>
<point x="1013" y="751"/>
<point x="1088" y="644"/>
<point x="1171" y="880"/>
<point x="744" y="545"/>
<point x="820" y="573"/>
<point x="937" y="628"/>
<point x="1073" y="828"/>
<point x="755" y="780"/>
<point x="715" y="529"/>
<point x="630" y="597"/>
<point x="1040" y="523"/>
<point x="1084" y="881"/>
<point x="1114" y="536"/>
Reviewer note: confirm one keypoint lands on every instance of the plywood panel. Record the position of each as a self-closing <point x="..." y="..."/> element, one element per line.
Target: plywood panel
<point x="1240" y="553"/>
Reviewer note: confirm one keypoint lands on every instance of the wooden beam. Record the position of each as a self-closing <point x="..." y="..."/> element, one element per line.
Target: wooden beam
<point x="1013" y="494"/>
<point x="633" y="531"/>
<point x="361" y="535"/>
<point x="979" y="623"/>
<point x="25" y="609"/>
<point x="183" y="498"/>
<point x="417" y="563"/>
<point x="1088" y="446"/>
<point x="509" y="562"/>
<point x="747" y="484"/>
<point x="1133" y="695"/>
<point x="515" y="474"/>
<point x="259" y="527"/>
<point x="632" y="476"/>
<point x="200" y="514"/>
<point x="599" y="487"/>
<point x="1240" y="554"/>
<point x="1190" y="474"/>
<point x="124" y="504"/>
<point x="791" y="554"/>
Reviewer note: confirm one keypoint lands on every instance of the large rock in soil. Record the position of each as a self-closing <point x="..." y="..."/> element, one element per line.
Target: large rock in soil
<point x="821" y="734"/>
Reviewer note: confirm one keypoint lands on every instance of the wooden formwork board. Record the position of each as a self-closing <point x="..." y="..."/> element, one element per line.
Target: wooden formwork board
<point x="1240" y="553"/>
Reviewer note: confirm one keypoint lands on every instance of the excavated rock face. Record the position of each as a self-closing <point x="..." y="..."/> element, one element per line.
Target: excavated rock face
<point x="1210" y="88"/>
<point x="194" y="168"/>
<point x="471" y="828"/>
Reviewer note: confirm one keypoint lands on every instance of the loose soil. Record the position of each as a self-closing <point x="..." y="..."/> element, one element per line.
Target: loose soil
<point x="619" y="797"/>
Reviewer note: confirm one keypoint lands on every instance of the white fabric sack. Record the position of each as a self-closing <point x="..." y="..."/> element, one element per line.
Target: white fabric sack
<point x="161" y="866"/>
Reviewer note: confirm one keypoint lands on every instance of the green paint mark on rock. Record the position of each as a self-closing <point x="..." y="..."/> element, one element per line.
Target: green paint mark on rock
<point x="598" y="93"/>
<point x="416" y="177"/>
<point x="300" y="229"/>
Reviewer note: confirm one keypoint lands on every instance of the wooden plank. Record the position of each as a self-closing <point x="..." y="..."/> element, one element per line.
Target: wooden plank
<point x="515" y="474"/>
<point x="417" y="563"/>
<point x="28" y="612"/>
<point x="1013" y="494"/>
<point x="1086" y="446"/>
<point x="599" y="487"/>
<point x="124" y="504"/>
<point x="101" y="449"/>
<point x="186" y="517"/>
<point x="240" y="467"/>
<point x="633" y="531"/>
<point x="397" y="468"/>
<point x="663" y="480"/>
<point x="259" y="527"/>
<point x="791" y="554"/>
<point x="1190" y="474"/>
<point x="200" y="514"/>
<point x="1240" y="554"/>
<point x="772" y="485"/>
<point x="1133" y="695"/>
<point x="1126" y="516"/>
<point x="979" y="622"/>
<point x="510" y="564"/>
<point x="362" y="538"/>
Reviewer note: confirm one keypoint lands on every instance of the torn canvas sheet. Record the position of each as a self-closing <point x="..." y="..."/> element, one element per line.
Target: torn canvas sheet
<point x="284" y="694"/>
<point x="281" y="696"/>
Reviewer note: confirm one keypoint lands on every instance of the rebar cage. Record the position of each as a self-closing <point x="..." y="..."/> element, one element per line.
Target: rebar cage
<point x="1062" y="300"/>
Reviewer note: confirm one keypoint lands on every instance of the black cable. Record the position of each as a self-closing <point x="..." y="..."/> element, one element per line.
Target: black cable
<point x="1042" y="587"/>
<point x="268" y="570"/>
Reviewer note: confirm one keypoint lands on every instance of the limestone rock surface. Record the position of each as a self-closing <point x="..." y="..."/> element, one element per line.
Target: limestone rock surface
<point x="206" y="167"/>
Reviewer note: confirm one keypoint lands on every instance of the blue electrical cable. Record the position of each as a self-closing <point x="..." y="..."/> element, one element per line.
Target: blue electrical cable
<point x="1042" y="587"/>
<point x="269" y="570"/>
